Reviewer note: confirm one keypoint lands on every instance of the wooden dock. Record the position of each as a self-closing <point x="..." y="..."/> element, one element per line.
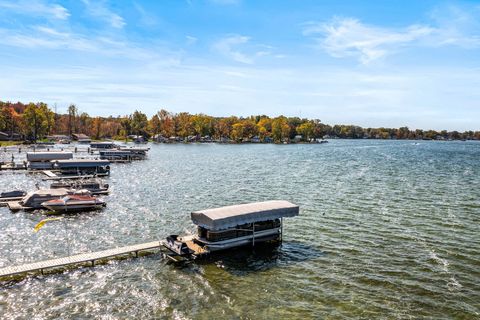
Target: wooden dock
<point x="90" y="258"/>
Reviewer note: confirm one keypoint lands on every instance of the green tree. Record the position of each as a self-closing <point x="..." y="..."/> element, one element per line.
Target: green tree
<point x="139" y="123"/>
<point x="35" y="121"/>
<point x="126" y="124"/>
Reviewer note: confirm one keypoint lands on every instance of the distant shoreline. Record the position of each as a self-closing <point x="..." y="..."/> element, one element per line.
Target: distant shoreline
<point x="26" y="144"/>
<point x="38" y="122"/>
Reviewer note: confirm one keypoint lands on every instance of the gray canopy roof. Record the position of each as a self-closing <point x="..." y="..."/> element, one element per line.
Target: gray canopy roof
<point x="48" y="156"/>
<point x="231" y="216"/>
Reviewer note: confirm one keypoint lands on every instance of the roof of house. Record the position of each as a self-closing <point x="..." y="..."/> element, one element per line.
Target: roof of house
<point x="231" y="216"/>
<point x="80" y="136"/>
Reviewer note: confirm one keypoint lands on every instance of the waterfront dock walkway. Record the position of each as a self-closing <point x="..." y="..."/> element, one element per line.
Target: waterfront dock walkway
<point x="91" y="258"/>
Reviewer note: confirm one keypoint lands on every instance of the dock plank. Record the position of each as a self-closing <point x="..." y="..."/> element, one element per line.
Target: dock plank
<point x="78" y="259"/>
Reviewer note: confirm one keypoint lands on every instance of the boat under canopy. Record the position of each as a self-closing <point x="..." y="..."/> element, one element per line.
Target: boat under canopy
<point x="231" y="216"/>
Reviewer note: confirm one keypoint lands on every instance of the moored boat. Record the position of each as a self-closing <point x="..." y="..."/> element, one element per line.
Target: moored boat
<point x="35" y="199"/>
<point x="231" y="227"/>
<point x="74" y="203"/>
<point x="15" y="195"/>
<point x="95" y="186"/>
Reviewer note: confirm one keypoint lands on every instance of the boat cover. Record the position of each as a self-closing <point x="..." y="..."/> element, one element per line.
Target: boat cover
<point x="231" y="216"/>
<point x="81" y="163"/>
<point x="48" y="156"/>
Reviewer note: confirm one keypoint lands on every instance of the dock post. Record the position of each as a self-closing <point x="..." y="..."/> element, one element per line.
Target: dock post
<point x="281" y="229"/>
<point x="93" y="263"/>
<point x="253" y="240"/>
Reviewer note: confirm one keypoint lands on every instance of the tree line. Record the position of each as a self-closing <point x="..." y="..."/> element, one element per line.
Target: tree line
<point x="34" y="121"/>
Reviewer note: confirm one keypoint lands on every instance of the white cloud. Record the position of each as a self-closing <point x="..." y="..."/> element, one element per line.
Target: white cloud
<point x="45" y="37"/>
<point x="420" y="98"/>
<point x="100" y="10"/>
<point x="191" y="40"/>
<point x="42" y="37"/>
<point x="146" y="18"/>
<point x="36" y="8"/>
<point x="227" y="47"/>
<point x="456" y="26"/>
<point x="348" y="37"/>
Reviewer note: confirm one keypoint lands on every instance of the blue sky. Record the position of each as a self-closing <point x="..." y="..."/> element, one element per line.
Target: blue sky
<point x="370" y="63"/>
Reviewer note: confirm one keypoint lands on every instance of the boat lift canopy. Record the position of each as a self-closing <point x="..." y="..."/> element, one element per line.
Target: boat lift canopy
<point x="231" y="216"/>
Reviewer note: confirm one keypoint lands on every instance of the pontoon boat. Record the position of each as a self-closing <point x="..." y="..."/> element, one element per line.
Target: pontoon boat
<point x="231" y="227"/>
<point x="74" y="203"/>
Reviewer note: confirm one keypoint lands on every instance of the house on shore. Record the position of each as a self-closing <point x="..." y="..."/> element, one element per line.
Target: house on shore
<point x="81" y="137"/>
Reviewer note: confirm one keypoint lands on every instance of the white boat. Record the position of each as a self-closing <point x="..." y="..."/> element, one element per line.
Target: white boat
<point x="230" y="227"/>
<point x="74" y="203"/>
<point x="35" y="199"/>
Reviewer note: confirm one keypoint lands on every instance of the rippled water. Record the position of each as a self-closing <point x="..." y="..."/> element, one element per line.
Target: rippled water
<point x="388" y="229"/>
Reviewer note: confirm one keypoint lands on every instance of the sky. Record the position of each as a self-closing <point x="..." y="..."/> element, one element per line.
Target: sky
<point x="369" y="63"/>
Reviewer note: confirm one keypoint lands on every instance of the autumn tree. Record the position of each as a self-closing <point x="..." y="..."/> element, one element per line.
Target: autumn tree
<point x="84" y="123"/>
<point x="264" y="127"/>
<point x="97" y="127"/>
<point x="280" y="129"/>
<point x="72" y="114"/>
<point x="249" y="128"/>
<point x="223" y="127"/>
<point x="202" y="124"/>
<point x="237" y="131"/>
<point x="11" y="120"/>
<point x="167" y="123"/>
<point x="307" y="130"/>
<point x="183" y="124"/>
<point x="154" y="125"/>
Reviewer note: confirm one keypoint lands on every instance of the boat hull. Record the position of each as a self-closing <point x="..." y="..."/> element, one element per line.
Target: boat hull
<point x="75" y="205"/>
<point x="195" y="247"/>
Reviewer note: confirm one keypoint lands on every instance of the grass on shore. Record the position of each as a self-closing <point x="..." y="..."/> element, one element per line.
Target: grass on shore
<point x="10" y="143"/>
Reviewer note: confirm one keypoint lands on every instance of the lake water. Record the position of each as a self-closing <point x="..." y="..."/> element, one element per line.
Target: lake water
<point x="388" y="229"/>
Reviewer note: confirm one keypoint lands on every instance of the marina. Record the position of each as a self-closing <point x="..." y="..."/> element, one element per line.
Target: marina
<point x="218" y="229"/>
<point x="369" y="229"/>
